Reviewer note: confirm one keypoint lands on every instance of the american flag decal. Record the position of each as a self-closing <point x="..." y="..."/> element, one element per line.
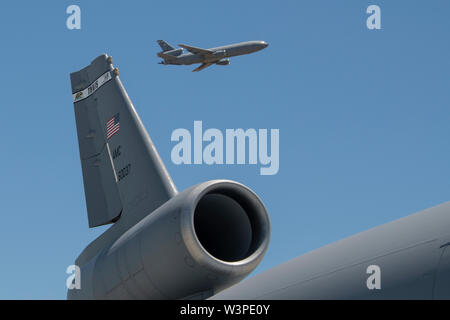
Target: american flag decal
<point x="112" y="126"/>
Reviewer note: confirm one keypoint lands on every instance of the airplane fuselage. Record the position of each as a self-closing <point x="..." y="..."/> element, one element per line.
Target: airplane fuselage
<point x="223" y="52"/>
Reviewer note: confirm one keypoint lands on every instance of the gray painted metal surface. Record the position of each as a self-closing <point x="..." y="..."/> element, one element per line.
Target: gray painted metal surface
<point x="412" y="254"/>
<point x="206" y="57"/>
<point x="147" y="184"/>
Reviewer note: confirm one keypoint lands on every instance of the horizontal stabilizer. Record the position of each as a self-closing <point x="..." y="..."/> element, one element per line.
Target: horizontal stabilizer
<point x="167" y="56"/>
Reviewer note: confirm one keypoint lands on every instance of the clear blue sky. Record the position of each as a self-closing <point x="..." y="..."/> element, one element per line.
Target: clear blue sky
<point x="363" y="116"/>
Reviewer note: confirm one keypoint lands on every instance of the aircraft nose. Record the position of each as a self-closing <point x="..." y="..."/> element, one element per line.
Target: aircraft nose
<point x="264" y="44"/>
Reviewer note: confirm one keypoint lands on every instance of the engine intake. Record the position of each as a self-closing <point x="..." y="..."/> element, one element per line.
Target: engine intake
<point x="223" y="227"/>
<point x="223" y="62"/>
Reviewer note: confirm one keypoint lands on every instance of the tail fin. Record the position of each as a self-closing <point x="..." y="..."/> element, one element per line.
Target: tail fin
<point x="123" y="174"/>
<point x="165" y="46"/>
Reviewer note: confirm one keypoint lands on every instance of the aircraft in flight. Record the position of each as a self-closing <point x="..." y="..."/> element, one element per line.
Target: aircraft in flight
<point x="202" y="242"/>
<point x="206" y="57"/>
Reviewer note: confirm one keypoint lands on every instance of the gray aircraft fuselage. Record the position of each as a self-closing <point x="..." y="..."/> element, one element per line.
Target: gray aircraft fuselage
<point x="223" y="52"/>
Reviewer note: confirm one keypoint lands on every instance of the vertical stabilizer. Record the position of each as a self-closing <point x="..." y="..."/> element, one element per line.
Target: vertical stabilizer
<point x="123" y="174"/>
<point x="165" y="46"/>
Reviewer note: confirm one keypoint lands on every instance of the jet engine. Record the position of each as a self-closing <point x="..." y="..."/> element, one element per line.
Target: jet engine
<point x="219" y="54"/>
<point x="175" y="52"/>
<point x="223" y="62"/>
<point x="198" y="243"/>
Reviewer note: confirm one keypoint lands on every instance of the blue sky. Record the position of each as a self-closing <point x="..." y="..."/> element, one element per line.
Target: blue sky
<point x="363" y="116"/>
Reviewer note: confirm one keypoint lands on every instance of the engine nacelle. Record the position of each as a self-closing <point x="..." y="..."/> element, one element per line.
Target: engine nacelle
<point x="175" y="52"/>
<point x="217" y="55"/>
<point x="200" y="242"/>
<point x="223" y="62"/>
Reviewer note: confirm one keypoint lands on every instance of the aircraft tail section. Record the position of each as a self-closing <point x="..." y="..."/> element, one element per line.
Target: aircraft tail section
<point x="165" y="46"/>
<point x="123" y="174"/>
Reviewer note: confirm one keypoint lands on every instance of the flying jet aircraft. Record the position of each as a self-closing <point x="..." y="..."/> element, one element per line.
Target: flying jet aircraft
<point x="206" y="57"/>
<point x="202" y="242"/>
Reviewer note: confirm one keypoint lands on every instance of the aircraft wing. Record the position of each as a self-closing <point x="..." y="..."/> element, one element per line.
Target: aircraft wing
<point x="202" y="66"/>
<point x="196" y="50"/>
<point x="386" y="262"/>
